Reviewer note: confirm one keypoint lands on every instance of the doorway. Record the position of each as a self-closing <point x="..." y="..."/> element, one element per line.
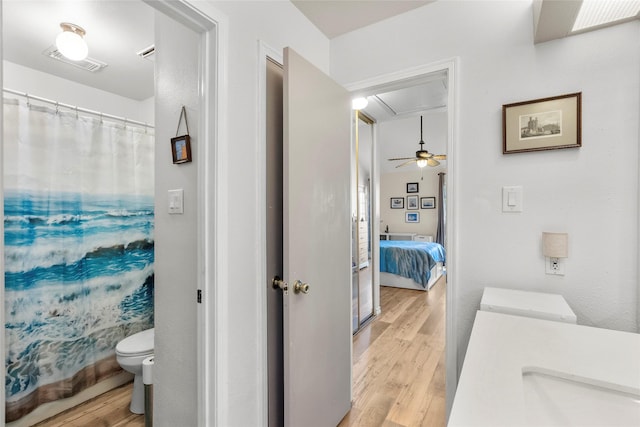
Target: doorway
<point x="403" y="83"/>
<point x="362" y="305"/>
<point x="198" y="400"/>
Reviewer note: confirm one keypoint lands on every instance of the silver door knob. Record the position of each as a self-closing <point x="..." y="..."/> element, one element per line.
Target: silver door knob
<point x="298" y="287"/>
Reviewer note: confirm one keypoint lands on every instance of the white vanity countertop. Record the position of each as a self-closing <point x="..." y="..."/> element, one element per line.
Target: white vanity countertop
<point x="490" y="390"/>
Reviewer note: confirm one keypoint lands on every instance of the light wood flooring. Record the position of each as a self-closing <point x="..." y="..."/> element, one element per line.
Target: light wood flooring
<point x="399" y="371"/>
<point x="110" y="409"/>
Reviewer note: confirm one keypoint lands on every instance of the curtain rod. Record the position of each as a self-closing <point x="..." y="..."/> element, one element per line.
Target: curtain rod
<point x="78" y="109"/>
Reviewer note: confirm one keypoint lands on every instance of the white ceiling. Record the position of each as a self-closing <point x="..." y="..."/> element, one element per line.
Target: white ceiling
<point x="337" y="17"/>
<point x="116" y="30"/>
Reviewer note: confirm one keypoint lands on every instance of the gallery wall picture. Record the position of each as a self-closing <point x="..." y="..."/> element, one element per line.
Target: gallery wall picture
<point x="412" y="187"/>
<point x="427" y="203"/>
<point x="412" y="202"/>
<point x="397" y="203"/>
<point x="412" y="217"/>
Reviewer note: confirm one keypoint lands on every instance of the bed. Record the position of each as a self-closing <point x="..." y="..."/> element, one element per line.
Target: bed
<point x="411" y="264"/>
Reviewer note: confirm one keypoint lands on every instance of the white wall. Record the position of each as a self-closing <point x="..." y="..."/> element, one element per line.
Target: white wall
<point x="278" y="24"/>
<point x="591" y="192"/>
<point x="176" y="241"/>
<point x="34" y="82"/>
<point x="395" y="185"/>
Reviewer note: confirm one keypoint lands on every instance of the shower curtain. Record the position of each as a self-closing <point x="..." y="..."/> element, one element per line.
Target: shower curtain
<point x="78" y="249"/>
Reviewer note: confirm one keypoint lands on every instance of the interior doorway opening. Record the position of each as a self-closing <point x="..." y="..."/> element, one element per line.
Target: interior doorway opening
<point x="404" y="84"/>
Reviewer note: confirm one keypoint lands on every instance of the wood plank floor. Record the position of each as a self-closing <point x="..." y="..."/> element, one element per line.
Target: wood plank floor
<point x="399" y="371"/>
<point x="110" y="409"/>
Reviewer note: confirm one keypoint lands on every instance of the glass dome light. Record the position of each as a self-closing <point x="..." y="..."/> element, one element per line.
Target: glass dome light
<point x="70" y="42"/>
<point x="421" y="163"/>
<point x="359" y="103"/>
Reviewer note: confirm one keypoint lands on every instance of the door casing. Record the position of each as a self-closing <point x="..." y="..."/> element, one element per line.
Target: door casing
<point x="405" y="79"/>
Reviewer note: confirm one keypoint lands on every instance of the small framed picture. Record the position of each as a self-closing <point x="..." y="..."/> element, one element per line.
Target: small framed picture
<point x="181" y="149"/>
<point x="427" y="203"/>
<point x="412" y="202"/>
<point x="412" y="187"/>
<point x="412" y="217"/>
<point x="397" y="203"/>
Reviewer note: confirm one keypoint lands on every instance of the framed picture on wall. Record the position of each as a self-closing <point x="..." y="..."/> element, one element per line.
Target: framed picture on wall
<point x="181" y="149"/>
<point x="412" y="217"/>
<point x="412" y="187"/>
<point x="412" y="202"/>
<point x="397" y="203"/>
<point x="542" y="124"/>
<point x="427" y="203"/>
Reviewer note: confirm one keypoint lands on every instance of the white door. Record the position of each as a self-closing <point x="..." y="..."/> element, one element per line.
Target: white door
<point x="316" y="246"/>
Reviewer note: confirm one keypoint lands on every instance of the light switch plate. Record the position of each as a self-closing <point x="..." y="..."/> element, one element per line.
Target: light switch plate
<point x="512" y="199"/>
<point x="176" y="201"/>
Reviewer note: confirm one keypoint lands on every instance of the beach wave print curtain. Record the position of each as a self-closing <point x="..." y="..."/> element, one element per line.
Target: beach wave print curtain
<point x="78" y="249"/>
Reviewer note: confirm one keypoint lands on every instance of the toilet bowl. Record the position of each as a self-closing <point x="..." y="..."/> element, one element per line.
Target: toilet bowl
<point x="130" y="352"/>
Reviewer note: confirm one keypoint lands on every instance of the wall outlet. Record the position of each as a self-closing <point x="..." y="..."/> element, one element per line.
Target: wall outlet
<point x="554" y="266"/>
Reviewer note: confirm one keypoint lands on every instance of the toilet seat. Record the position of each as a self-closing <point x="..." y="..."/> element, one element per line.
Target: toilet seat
<point x="137" y="344"/>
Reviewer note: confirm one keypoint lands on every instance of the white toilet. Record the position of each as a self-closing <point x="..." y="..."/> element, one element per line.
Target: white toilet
<point x="130" y="352"/>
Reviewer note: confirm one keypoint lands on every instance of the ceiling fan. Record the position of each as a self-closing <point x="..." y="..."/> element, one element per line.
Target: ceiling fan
<point x="423" y="157"/>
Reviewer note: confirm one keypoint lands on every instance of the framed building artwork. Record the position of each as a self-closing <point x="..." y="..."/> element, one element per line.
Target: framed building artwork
<point x="542" y="124"/>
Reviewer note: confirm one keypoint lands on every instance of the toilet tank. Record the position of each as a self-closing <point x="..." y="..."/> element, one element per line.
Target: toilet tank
<point x="527" y="304"/>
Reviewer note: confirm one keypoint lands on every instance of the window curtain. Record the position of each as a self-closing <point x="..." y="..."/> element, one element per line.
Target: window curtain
<point x="441" y="236"/>
<point x="79" y="250"/>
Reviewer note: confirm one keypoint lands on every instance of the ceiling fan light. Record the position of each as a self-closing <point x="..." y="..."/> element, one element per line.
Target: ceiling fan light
<point x="70" y="42"/>
<point x="422" y="163"/>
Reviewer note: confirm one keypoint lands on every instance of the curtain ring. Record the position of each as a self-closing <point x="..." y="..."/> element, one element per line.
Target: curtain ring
<point x="125" y="123"/>
<point x="28" y="101"/>
<point x="57" y="108"/>
<point x="101" y="121"/>
<point x="76" y="112"/>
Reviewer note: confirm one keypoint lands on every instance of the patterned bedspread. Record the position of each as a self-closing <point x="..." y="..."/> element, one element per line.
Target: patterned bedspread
<point x="410" y="259"/>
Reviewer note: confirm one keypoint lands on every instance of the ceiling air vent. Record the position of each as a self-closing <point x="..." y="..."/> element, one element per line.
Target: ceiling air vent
<point x="88" y="64"/>
<point x="147" y="52"/>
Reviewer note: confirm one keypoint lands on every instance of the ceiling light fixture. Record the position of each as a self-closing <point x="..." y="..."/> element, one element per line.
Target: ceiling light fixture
<point x="70" y="42"/>
<point x="359" y="103"/>
<point x="421" y="163"/>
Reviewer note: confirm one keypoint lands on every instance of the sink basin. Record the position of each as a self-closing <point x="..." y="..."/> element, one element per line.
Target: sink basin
<point x="554" y="399"/>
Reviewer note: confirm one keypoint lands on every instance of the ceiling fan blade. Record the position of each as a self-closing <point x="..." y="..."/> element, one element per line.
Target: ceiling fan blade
<point x="433" y="162"/>
<point x="406" y="163"/>
<point x="402" y="158"/>
<point x="440" y="157"/>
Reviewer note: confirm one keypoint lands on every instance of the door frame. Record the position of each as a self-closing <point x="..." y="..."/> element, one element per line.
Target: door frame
<point x="264" y="53"/>
<point x="404" y="79"/>
<point x="212" y="26"/>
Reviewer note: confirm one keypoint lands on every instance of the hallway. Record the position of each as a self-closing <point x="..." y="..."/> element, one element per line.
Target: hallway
<point x="399" y="372"/>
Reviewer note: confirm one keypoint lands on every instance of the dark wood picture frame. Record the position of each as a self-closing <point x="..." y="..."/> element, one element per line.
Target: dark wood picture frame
<point x="542" y="124"/>
<point x="397" y="203"/>
<point x="427" y="203"/>
<point x="412" y="187"/>
<point x="181" y="149"/>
